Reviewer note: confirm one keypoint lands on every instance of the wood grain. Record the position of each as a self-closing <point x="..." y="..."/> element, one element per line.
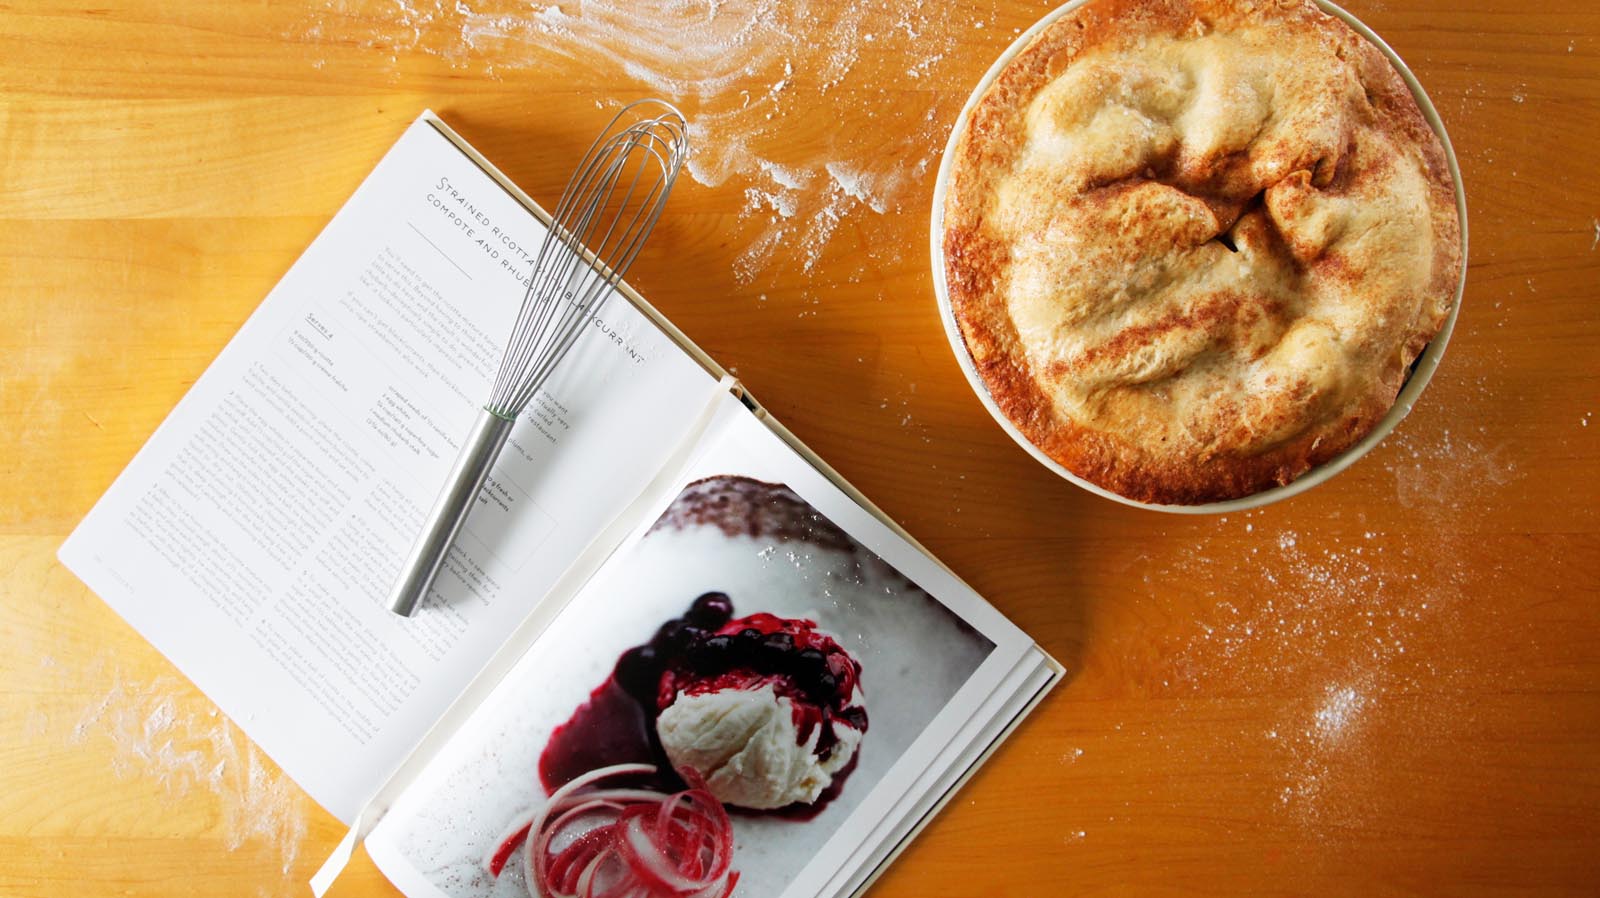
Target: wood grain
<point x="1385" y="686"/>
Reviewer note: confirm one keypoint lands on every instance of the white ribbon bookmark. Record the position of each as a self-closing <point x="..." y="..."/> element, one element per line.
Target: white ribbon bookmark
<point x="336" y="862"/>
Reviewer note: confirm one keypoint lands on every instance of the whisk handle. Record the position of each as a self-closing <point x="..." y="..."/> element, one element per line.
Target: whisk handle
<point x="449" y="512"/>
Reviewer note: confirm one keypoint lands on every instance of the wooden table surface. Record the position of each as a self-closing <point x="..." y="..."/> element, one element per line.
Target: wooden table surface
<point x="1389" y="685"/>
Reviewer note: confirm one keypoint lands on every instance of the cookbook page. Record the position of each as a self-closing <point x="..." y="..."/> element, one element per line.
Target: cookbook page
<point x="762" y="636"/>
<point x="255" y="536"/>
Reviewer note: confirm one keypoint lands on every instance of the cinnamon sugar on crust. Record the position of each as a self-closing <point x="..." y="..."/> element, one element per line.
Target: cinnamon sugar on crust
<point x="1194" y="246"/>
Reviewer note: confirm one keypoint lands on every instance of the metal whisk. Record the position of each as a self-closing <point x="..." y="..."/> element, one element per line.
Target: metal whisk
<point x="608" y="208"/>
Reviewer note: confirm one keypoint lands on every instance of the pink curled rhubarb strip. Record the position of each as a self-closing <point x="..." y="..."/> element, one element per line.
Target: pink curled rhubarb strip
<point x="623" y="842"/>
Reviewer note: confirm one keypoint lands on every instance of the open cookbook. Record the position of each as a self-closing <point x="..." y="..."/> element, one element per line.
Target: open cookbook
<point x="671" y="652"/>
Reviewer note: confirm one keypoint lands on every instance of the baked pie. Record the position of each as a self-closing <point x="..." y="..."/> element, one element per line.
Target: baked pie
<point x="1194" y="246"/>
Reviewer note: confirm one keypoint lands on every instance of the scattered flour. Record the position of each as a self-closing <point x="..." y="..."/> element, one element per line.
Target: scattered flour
<point x="161" y="731"/>
<point x="1337" y="713"/>
<point x="1325" y="749"/>
<point x="1354" y="619"/>
<point x="816" y="146"/>
<point x="1296" y="608"/>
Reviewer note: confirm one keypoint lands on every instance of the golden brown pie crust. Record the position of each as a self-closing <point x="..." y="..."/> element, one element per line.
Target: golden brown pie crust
<point x="1194" y="246"/>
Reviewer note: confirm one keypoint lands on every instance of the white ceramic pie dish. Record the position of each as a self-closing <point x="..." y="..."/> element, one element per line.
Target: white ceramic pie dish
<point x="1421" y="370"/>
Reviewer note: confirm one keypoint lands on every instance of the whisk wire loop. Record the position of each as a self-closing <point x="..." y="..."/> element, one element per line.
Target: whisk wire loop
<point x="607" y="210"/>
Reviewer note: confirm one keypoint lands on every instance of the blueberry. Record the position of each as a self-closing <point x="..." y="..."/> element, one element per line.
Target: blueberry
<point x="670" y="637"/>
<point x="812" y="660"/>
<point x="778" y="644"/>
<point x="711" y="610"/>
<point x="710" y="653"/>
<point x="747" y="646"/>
<point x="638" y="671"/>
<point x="825" y="684"/>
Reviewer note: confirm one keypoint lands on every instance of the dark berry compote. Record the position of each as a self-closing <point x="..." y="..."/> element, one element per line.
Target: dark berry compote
<point x="705" y="652"/>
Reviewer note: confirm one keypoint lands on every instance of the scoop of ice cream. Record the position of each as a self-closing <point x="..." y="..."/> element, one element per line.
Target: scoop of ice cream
<point x="765" y="709"/>
<point x="749" y="749"/>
